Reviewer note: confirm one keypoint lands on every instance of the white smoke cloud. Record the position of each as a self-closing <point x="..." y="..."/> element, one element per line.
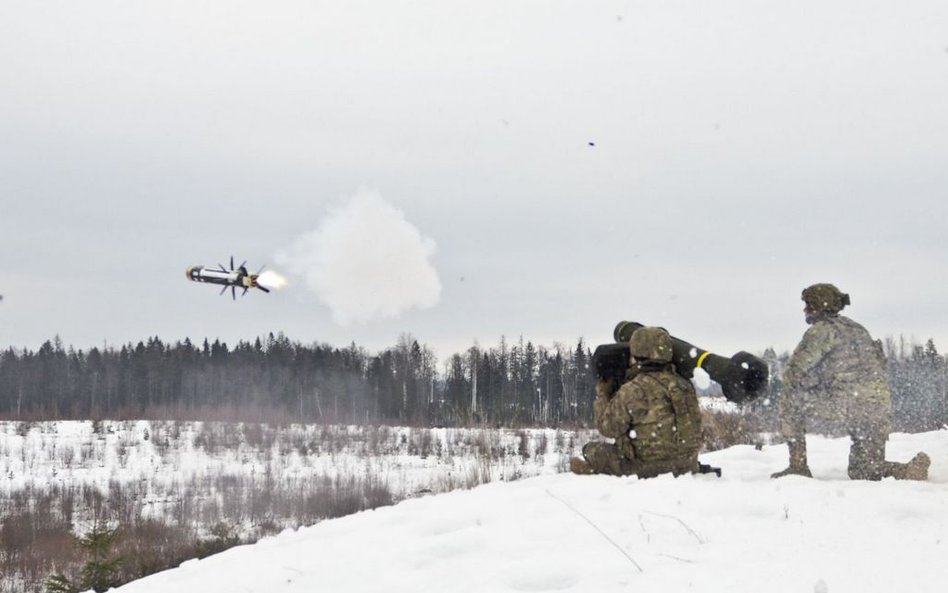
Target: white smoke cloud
<point x="365" y="261"/>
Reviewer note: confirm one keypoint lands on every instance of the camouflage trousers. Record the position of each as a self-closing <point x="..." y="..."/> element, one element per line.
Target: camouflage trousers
<point x="866" y="422"/>
<point x="605" y="458"/>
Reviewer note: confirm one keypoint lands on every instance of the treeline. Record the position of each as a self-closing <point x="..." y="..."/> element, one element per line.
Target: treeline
<point x="918" y="376"/>
<point x="276" y="379"/>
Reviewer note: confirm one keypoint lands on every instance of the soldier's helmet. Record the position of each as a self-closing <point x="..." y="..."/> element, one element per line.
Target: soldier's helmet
<point x="825" y="298"/>
<point x="652" y="344"/>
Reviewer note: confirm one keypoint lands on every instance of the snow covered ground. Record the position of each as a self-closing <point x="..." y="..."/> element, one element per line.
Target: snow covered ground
<point x="203" y="481"/>
<point x="171" y="454"/>
<point x="741" y="532"/>
<point x="207" y="466"/>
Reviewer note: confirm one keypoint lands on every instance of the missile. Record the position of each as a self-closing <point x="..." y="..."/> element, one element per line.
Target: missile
<point x="234" y="278"/>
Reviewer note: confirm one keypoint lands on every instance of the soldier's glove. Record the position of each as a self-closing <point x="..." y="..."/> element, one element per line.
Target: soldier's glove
<point x="632" y="371"/>
<point x="605" y="389"/>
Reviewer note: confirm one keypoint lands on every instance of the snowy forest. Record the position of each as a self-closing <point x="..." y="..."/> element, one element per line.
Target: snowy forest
<point x="276" y="379"/>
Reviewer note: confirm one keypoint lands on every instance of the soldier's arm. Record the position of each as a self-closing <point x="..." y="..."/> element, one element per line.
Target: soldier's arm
<point x="605" y="389"/>
<point x="802" y="369"/>
<point x="614" y="416"/>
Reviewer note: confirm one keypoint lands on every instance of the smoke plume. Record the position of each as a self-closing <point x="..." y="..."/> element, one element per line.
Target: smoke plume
<point x="365" y="261"/>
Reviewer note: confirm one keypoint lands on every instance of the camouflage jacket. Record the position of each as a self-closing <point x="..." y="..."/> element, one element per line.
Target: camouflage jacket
<point x="838" y="359"/>
<point x="653" y="417"/>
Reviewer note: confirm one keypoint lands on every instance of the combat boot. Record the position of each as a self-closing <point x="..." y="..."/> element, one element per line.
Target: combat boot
<point x="793" y="470"/>
<point x="798" y="465"/>
<point x="915" y="469"/>
<point x="580" y="466"/>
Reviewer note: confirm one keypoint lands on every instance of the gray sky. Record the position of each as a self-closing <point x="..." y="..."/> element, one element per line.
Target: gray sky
<point x="742" y="150"/>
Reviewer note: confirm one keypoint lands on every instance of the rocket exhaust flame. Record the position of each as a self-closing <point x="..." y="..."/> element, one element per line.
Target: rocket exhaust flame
<point x="271" y="279"/>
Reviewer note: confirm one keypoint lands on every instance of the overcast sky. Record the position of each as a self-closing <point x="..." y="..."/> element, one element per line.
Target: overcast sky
<point x="544" y="168"/>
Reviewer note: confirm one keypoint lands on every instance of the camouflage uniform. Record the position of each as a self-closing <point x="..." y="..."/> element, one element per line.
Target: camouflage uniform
<point x="837" y="375"/>
<point x="654" y="419"/>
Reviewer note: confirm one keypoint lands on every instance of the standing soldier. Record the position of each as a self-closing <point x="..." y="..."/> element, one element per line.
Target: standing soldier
<point x="654" y="416"/>
<point x="837" y="373"/>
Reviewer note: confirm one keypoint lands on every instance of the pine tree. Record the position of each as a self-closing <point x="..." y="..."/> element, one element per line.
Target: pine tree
<point x="100" y="573"/>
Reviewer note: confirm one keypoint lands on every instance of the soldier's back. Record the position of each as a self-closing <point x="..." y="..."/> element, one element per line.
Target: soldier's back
<point x="672" y="427"/>
<point x="855" y="356"/>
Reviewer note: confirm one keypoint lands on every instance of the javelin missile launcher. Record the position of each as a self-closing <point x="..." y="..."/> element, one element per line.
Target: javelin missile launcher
<point x="742" y="377"/>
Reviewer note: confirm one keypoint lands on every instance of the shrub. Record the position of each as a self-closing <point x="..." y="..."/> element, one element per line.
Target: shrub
<point x="720" y="430"/>
<point x="100" y="573"/>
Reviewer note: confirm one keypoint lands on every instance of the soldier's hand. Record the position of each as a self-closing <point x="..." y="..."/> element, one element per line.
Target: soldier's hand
<point x="632" y="371"/>
<point x="605" y="389"/>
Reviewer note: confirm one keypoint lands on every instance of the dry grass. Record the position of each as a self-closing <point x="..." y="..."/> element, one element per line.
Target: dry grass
<point x="720" y="430"/>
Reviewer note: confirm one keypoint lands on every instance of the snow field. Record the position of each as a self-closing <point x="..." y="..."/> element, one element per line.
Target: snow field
<point x="741" y="532"/>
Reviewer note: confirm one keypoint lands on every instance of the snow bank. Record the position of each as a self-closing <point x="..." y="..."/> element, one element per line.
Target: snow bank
<point x="741" y="532"/>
